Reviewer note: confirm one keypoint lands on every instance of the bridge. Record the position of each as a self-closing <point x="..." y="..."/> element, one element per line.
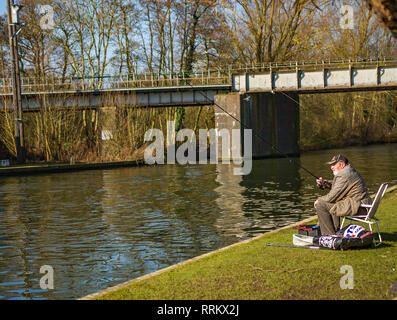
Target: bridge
<point x="264" y="97"/>
<point x="172" y="96"/>
<point x="200" y="88"/>
<point x="320" y="77"/>
<point x="141" y="90"/>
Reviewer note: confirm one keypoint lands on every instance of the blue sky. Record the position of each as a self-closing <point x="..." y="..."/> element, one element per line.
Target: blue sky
<point x="3" y="6"/>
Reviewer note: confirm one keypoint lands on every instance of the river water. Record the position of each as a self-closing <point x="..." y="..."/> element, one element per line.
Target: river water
<point x="99" y="228"/>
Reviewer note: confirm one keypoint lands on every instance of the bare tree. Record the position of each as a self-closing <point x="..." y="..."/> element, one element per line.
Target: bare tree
<point x="126" y="56"/>
<point x="36" y="46"/>
<point x="265" y="30"/>
<point x="386" y="10"/>
<point x="85" y="31"/>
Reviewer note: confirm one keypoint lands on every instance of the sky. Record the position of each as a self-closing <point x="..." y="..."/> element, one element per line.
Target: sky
<point x="3" y="7"/>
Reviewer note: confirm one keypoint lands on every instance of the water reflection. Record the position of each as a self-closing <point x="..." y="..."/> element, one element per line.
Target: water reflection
<point x="274" y="193"/>
<point x="231" y="220"/>
<point x="100" y="228"/>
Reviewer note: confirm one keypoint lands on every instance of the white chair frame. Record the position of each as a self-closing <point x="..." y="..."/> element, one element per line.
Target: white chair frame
<point x="369" y="218"/>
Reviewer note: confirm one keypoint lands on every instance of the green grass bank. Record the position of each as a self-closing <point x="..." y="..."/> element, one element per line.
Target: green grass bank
<point x="252" y="270"/>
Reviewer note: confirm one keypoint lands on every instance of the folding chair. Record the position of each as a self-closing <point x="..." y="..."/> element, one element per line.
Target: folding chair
<point x="369" y="218"/>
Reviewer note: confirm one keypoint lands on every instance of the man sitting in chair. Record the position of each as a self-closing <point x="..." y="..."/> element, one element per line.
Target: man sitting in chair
<point x="348" y="191"/>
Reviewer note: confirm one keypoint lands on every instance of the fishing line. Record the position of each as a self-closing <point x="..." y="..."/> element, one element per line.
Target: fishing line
<point x="297" y="102"/>
<point x="257" y="135"/>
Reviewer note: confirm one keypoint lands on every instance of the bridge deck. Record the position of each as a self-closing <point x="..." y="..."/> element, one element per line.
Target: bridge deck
<point x="199" y="88"/>
<point x="316" y="81"/>
<point x="136" y="97"/>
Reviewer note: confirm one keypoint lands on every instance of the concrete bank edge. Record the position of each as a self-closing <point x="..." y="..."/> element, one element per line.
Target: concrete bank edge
<point x="155" y="273"/>
<point x="62" y="167"/>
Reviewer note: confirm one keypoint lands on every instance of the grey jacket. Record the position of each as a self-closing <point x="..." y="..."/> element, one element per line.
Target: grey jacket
<point x="348" y="191"/>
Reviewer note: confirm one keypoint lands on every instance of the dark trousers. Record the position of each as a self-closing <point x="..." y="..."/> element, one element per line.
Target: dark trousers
<point x="329" y="223"/>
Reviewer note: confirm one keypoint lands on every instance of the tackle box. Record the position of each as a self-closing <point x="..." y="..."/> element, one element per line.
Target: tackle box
<point x="309" y="230"/>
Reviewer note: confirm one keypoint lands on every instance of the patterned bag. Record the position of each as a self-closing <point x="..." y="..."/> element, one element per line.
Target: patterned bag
<point x="352" y="236"/>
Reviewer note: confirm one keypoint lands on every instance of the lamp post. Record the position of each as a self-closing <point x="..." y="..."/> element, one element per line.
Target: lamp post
<point x="14" y="27"/>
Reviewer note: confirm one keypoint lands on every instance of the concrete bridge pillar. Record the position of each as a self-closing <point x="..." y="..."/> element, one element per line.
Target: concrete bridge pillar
<point x="274" y="117"/>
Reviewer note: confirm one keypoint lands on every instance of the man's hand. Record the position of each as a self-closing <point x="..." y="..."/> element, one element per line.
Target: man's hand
<point x="320" y="183"/>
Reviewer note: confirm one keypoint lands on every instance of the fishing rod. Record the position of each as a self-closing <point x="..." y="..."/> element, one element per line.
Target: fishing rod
<point x="263" y="139"/>
<point x="295" y="246"/>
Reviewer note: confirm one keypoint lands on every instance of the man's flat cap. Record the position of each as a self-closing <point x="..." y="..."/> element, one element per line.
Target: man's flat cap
<point x="337" y="158"/>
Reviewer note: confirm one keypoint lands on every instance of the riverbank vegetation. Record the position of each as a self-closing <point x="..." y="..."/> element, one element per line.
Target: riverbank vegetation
<point x="343" y="119"/>
<point x="254" y="271"/>
<point x="90" y="41"/>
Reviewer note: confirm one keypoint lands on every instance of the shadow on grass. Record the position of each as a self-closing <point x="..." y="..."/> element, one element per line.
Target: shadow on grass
<point x="389" y="236"/>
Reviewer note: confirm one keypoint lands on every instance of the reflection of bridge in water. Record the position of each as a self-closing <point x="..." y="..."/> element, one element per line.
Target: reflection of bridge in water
<point x="200" y="88"/>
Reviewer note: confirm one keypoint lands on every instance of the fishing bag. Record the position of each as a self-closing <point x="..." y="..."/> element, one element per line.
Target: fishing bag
<point x="352" y="236"/>
<point x="309" y="230"/>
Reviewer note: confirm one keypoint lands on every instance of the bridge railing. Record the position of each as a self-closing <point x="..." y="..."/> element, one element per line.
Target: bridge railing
<point x="219" y="76"/>
<point x="53" y="84"/>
